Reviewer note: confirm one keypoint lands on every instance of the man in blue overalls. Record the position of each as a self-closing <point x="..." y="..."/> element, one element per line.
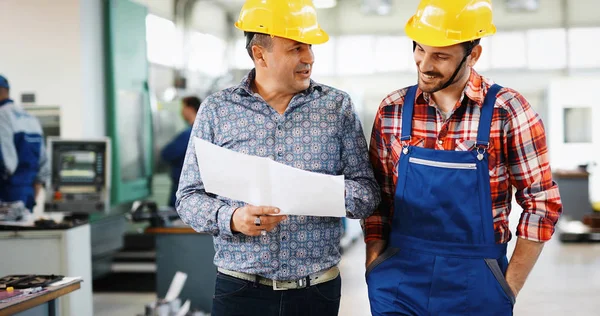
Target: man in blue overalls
<point x="446" y="154"/>
<point x="23" y="164"/>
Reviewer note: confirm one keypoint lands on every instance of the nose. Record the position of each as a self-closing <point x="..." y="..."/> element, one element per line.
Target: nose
<point x="424" y="62"/>
<point x="307" y="55"/>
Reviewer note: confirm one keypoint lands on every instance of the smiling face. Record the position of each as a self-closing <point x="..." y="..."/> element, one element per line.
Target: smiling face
<point x="288" y="64"/>
<point x="436" y="65"/>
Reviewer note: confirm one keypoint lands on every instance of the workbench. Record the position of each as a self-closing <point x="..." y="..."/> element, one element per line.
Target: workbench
<point x="52" y="251"/>
<point x="43" y="303"/>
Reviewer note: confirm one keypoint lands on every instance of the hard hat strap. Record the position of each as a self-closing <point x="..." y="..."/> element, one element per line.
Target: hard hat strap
<point x="472" y="44"/>
<point x="449" y="82"/>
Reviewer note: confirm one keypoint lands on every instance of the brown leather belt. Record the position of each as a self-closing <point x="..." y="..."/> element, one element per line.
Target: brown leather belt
<point x="316" y="278"/>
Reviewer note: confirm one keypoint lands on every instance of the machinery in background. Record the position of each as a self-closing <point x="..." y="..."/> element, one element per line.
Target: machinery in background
<point x="80" y="188"/>
<point x="49" y="117"/>
<point x="143" y="211"/>
<point x="80" y="172"/>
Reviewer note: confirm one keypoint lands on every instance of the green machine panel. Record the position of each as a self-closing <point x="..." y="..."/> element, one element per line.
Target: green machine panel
<point x="128" y="109"/>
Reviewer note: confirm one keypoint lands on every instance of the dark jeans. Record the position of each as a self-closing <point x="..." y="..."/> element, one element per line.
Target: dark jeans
<point x="235" y="297"/>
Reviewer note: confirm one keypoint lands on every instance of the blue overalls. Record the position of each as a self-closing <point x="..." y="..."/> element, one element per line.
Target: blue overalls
<point x="23" y="158"/>
<point x="442" y="258"/>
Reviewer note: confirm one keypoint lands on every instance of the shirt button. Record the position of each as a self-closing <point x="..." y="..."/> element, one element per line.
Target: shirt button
<point x="441" y="142"/>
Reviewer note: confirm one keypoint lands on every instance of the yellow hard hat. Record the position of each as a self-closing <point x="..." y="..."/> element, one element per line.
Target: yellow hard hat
<point x="294" y="19"/>
<point x="441" y="23"/>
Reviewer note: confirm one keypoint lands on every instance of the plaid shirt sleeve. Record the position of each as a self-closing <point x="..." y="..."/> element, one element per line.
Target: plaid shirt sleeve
<point x="529" y="170"/>
<point x="377" y="226"/>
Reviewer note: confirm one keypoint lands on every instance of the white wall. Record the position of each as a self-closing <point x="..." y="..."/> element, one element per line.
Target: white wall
<point x="53" y="49"/>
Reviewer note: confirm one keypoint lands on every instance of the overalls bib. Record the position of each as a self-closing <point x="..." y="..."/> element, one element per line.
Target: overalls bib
<point x="442" y="258"/>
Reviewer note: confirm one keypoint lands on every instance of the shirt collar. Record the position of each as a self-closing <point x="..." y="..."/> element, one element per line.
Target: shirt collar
<point x="245" y="85"/>
<point x="6" y="101"/>
<point x="474" y="90"/>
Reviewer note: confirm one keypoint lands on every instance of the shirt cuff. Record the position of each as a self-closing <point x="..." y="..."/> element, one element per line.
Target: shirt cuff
<point x="349" y="201"/>
<point x="535" y="227"/>
<point x="225" y="214"/>
<point x="375" y="228"/>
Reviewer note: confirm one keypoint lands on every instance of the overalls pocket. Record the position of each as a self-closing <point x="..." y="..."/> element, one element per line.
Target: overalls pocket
<point x="499" y="276"/>
<point x="388" y="253"/>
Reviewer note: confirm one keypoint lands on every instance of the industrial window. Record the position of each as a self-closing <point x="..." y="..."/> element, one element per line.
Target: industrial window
<point x="507" y="50"/>
<point x="484" y="60"/>
<point x="241" y="59"/>
<point x="547" y="48"/>
<point x="578" y="125"/>
<point x="393" y="53"/>
<point x="355" y="55"/>
<point x="163" y="43"/>
<point x="207" y="54"/>
<point x="324" y="58"/>
<point x="582" y="53"/>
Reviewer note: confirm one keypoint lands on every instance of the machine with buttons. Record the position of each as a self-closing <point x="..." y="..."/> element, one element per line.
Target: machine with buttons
<point x="79" y="176"/>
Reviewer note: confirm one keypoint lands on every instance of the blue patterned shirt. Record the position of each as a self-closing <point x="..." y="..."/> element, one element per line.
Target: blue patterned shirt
<point x="319" y="132"/>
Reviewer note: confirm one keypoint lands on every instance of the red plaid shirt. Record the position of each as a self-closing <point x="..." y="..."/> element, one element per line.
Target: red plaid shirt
<point x="518" y="156"/>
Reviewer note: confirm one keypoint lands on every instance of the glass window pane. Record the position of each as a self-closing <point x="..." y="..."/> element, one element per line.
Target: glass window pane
<point x="241" y="58"/>
<point x="207" y="54"/>
<point x="324" y="58"/>
<point x="393" y="53"/>
<point x="578" y="125"/>
<point x="507" y="50"/>
<point x="484" y="60"/>
<point x="547" y="49"/>
<point x="163" y="42"/>
<point x="355" y="55"/>
<point x="582" y="53"/>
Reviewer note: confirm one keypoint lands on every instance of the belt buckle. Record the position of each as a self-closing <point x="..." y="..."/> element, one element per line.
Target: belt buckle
<point x="300" y="284"/>
<point x="275" y="288"/>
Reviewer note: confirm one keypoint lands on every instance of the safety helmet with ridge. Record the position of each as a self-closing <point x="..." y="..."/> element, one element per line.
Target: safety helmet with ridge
<point x="441" y="23"/>
<point x="293" y="19"/>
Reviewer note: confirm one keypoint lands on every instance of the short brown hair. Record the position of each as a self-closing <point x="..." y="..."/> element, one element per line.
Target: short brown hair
<point x="193" y="102"/>
<point x="258" y="39"/>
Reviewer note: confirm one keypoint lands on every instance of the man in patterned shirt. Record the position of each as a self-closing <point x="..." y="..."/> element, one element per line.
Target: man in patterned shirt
<point x="278" y="265"/>
<point x="446" y="154"/>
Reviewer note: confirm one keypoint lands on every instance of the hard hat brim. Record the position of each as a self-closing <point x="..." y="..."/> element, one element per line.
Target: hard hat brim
<point x="432" y="38"/>
<point x="318" y="36"/>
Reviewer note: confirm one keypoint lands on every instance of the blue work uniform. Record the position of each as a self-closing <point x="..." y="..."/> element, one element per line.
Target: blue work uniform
<point x="174" y="154"/>
<point x="442" y="257"/>
<point x="23" y="159"/>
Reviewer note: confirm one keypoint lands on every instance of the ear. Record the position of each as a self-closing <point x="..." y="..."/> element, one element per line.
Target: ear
<point x="259" y="56"/>
<point x="474" y="57"/>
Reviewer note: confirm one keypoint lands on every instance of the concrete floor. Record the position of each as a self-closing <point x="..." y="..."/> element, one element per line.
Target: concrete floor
<point x="565" y="281"/>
